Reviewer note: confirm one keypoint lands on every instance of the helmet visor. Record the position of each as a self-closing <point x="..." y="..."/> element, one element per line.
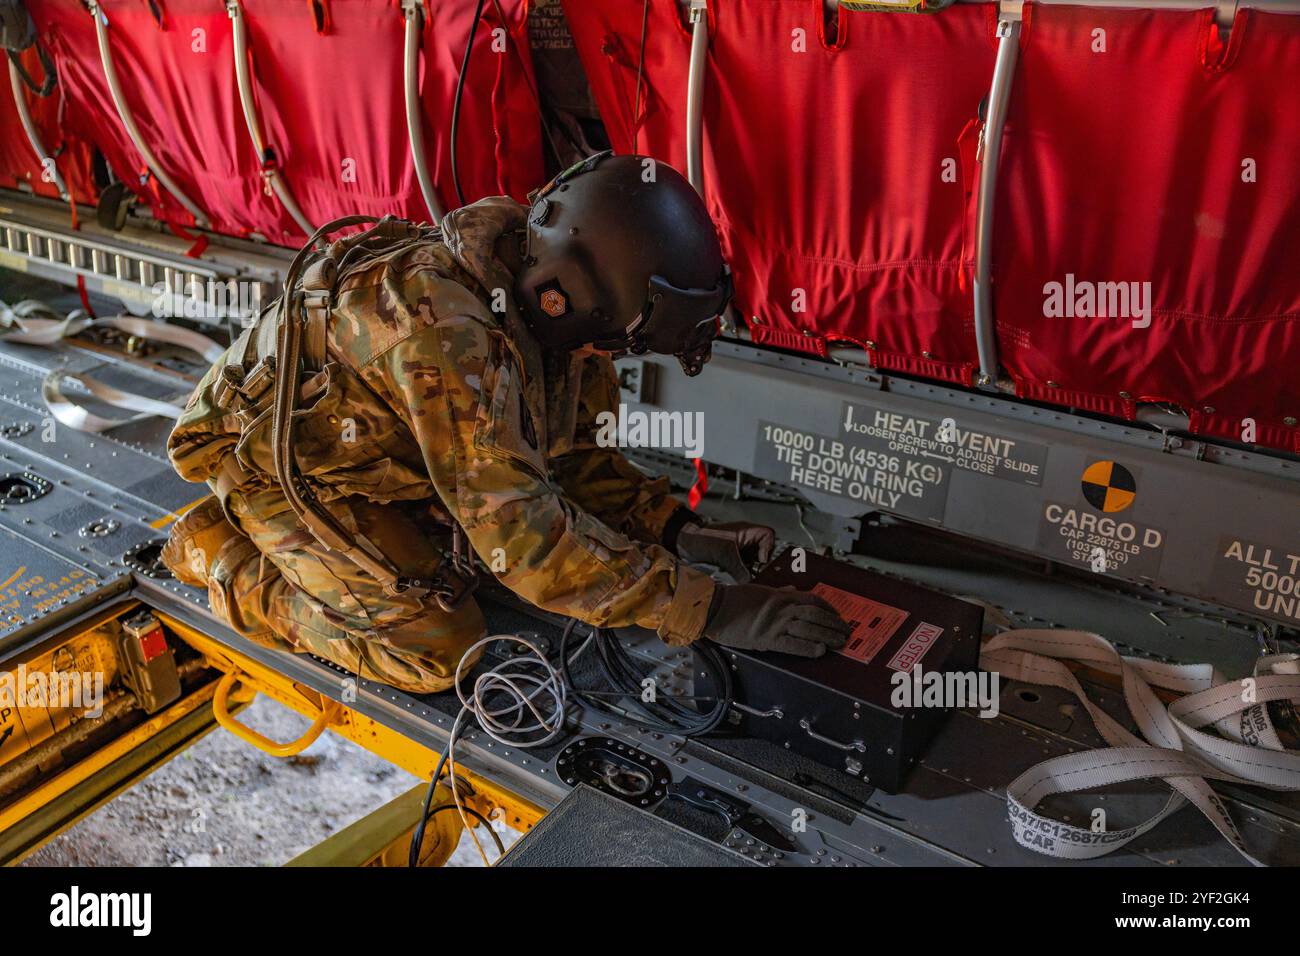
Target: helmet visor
<point x="684" y="322"/>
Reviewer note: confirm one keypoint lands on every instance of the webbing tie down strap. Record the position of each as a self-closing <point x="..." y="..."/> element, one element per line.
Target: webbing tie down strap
<point x="49" y="331"/>
<point x="36" y="324"/>
<point x="1177" y="749"/>
<point x="75" y="416"/>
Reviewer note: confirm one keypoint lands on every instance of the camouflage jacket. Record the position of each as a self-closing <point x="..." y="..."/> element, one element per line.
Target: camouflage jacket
<point x="433" y="407"/>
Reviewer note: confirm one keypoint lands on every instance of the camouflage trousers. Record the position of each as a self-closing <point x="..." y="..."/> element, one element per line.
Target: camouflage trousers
<point x="291" y="600"/>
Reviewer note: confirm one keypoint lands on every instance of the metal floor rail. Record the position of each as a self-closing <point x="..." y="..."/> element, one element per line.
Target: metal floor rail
<point x="135" y="265"/>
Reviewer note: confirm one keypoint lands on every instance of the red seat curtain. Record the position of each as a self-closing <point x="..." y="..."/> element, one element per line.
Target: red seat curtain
<point x="333" y="104"/>
<point x="330" y="95"/>
<point x="834" y="170"/>
<point x="500" y="151"/>
<point x="177" y="77"/>
<point x="19" y="165"/>
<point x="1141" y="149"/>
<point x="645" y="115"/>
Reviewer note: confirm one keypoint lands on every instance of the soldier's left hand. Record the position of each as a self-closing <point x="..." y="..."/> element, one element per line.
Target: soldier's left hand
<point x="735" y="547"/>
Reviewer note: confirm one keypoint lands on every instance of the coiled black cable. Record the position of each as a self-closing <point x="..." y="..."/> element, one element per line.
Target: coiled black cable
<point x="669" y="713"/>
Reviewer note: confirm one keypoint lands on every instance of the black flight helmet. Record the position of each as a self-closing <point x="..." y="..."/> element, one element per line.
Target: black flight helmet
<point x="621" y="255"/>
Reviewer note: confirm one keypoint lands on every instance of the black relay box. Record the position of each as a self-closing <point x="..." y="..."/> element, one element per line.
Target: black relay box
<point x="841" y="709"/>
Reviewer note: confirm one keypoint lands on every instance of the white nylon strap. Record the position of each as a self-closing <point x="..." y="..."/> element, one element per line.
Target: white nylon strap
<point x="43" y="331"/>
<point x="1174" y="746"/>
<point x="82" y="419"/>
<point x="166" y="332"/>
<point x="38" y="324"/>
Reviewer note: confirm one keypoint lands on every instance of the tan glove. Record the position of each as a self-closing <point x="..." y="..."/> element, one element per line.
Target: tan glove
<point x="758" y="618"/>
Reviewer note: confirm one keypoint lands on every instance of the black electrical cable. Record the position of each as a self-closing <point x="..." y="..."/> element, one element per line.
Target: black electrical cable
<point x="413" y="856"/>
<point x="47" y="67"/>
<point x="455" y="103"/>
<point x="427" y="814"/>
<point x="640" y="72"/>
<point x="417" y="838"/>
<point x="669" y="713"/>
<point x="496" y="837"/>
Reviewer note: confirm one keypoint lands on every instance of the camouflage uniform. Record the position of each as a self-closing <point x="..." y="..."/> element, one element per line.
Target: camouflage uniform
<point x="432" y="408"/>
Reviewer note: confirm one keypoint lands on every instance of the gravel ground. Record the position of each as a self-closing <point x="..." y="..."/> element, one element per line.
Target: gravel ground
<point x="224" y="803"/>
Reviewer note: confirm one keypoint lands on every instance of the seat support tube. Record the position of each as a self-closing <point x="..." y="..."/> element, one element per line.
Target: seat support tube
<point x="1004" y="70"/>
<point x="128" y="119"/>
<point x="33" y="135"/>
<point x="248" y="102"/>
<point x="699" y="13"/>
<point x="414" y="121"/>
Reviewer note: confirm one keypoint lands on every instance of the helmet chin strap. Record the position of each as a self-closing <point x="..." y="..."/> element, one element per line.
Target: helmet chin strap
<point x="631" y="341"/>
<point x="693" y="357"/>
<point x="512" y="250"/>
<point x="692" y="360"/>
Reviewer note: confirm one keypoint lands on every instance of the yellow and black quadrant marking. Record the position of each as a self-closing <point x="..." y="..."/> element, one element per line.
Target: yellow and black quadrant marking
<point x="1108" y="486"/>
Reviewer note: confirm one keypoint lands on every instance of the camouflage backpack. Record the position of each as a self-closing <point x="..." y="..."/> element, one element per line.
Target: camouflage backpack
<point x="290" y="335"/>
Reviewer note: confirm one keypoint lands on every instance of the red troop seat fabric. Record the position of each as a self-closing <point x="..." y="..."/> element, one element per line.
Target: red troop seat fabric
<point x="330" y="96"/>
<point x="607" y="34"/>
<point x="834" y="170"/>
<point x="333" y="105"/>
<point x="1140" y="149"/>
<point x="177" y="76"/>
<point x="19" y="166"/>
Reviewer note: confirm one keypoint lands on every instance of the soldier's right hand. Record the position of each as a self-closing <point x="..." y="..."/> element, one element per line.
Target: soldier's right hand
<point x="758" y="618"/>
